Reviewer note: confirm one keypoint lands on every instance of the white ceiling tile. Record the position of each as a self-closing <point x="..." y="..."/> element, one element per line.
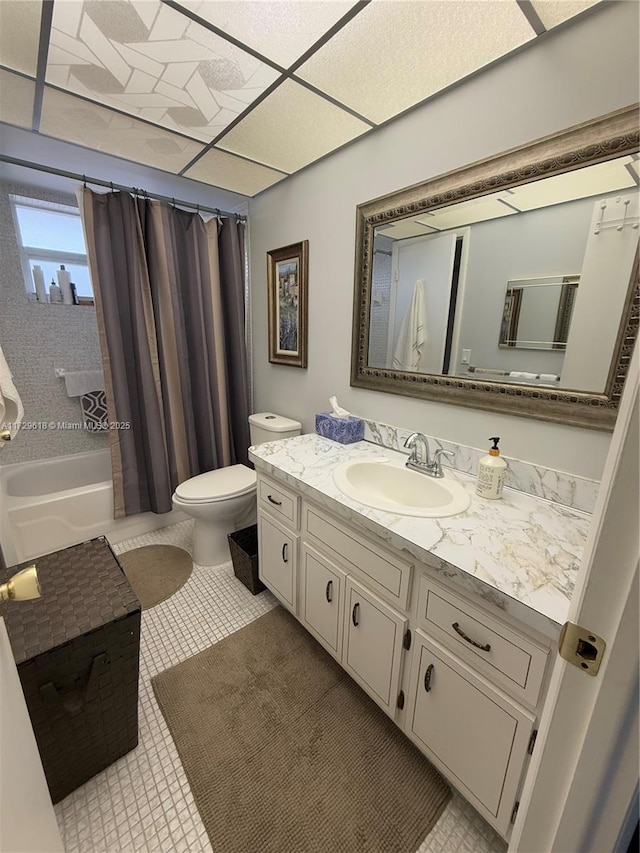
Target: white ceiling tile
<point x="20" y="35"/>
<point x="395" y="54"/>
<point x="282" y="30"/>
<point x="554" y="12"/>
<point x="74" y="120"/>
<point x="71" y="45"/>
<point x="16" y="99"/>
<point x="168" y="25"/>
<point x="137" y="60"/>
<point x="233" y="173"/>
<point x="290" y="128"/>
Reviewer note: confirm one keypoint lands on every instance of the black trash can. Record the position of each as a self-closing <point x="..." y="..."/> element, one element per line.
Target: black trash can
<point x="243" y="545"/>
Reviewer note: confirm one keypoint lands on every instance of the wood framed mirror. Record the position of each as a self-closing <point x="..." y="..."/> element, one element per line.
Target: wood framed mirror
<point x="434" y="262"/>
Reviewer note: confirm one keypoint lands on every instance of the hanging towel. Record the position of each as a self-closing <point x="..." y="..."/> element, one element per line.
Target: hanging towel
<point x="413" y="332"/>
<point x="521" y="374"/>
<point x="11" y="408"/>
<point x="83" y="382"/>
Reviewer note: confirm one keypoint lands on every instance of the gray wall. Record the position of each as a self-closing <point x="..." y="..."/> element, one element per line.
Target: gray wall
<point x="582" y="71"/>
<point x="541" y="243"/>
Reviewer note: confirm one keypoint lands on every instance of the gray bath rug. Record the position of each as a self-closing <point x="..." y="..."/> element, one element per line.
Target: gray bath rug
<point x="156" y="572"/>
<point x="285" y="753"/>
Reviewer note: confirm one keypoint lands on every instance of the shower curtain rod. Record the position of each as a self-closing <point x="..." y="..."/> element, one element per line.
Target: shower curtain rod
<point x="85" y="179"/>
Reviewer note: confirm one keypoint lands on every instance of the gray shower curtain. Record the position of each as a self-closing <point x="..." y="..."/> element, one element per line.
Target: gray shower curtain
<point x="169" y="291"/>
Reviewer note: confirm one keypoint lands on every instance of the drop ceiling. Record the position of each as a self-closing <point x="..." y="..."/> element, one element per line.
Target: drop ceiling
<point x="240" y="94"/>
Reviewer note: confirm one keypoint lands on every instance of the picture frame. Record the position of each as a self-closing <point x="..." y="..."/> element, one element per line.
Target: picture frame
<point x="287" y="274"/>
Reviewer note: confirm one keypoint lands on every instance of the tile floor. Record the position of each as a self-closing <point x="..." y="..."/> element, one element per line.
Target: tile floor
<point x="143" y="802"/>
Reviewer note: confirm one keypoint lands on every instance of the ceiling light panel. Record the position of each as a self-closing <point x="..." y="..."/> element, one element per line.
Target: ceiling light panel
<point x="151" y="61"/>
<point x="600" y="179"/>
<point x="76" y="120"/>
<point x="16" y="99"/>
<point x="20" y="35"/>
<point x="229" y="172"/>
<point x="282" y="30"/>
<point x="395" y="54"/>
<point x="403" y="229"/>
<point x="554" y="12"/>
<point x="291" y="128"/>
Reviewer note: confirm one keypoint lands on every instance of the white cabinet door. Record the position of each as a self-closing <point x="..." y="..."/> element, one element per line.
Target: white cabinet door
<point x="321" y="599"/>
<point x="373" y="634"/>
<point x="476" y="735"/>
<point x="277" y="558"/>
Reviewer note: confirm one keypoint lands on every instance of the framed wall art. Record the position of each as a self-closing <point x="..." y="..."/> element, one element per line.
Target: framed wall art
<point x="287" y="271"/>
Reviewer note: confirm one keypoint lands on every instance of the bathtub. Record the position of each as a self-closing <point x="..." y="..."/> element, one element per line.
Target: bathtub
<point x="54" y="503"/>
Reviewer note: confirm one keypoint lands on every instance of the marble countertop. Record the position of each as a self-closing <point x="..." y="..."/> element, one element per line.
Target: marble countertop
<point x="520" y="553"/>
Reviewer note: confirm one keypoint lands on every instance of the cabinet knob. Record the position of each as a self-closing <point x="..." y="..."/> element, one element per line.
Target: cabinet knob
<point x="355" y="614"/>
<point x="329" y="591"/>
<point x="427" y="678"/>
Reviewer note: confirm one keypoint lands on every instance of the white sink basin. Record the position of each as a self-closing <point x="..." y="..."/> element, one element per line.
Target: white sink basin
<point x="390" y="486"/>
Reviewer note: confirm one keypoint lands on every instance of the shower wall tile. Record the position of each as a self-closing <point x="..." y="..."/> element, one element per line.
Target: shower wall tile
<point x="37" y="338"/>
<point x="547" y="483"/>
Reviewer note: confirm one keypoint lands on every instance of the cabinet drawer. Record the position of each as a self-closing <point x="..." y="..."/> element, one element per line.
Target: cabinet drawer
<point x="382" y="571"/>
<point x="322" y="599"/>
<point x="505" y="657"/>
<point x="476" y="735"/>
<point x="277" y="560"/>
<point x="279" y="501"/>
<point x="373" y="634"/>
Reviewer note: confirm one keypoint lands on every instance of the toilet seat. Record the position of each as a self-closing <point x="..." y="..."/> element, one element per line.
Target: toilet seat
<point x="230" y="482"/>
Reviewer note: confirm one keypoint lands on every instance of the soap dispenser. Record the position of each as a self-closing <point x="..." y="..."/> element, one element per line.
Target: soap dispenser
<point x="492" y="471"/>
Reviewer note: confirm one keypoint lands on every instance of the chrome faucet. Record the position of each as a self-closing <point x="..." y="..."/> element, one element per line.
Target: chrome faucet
<point x="422" y="461"/>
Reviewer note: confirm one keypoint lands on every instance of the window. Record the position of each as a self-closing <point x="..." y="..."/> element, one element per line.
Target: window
<point x="50" y="237"/>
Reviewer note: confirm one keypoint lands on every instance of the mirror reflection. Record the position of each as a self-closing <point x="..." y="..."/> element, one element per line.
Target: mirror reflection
<point x="489" y="286"/>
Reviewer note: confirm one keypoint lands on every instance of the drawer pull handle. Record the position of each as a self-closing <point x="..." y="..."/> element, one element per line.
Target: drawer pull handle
<point x="285" y="552"/>
<point x="427" y="678"/>
<point x="458" y="630"/>
<point x="274" y="501"/>
<point x="329" y="591"/>
<point x="355" y="614"/>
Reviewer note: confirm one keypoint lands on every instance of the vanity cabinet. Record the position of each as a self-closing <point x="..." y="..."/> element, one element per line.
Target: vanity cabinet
<point x="373" y="633"/>
<point x="322" y="587"/>
<point x="467" y="728"/>
<point x="459" y="677"/>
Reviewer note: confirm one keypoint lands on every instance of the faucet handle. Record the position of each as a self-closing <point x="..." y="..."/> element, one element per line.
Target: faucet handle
<point x="437" y="463"/>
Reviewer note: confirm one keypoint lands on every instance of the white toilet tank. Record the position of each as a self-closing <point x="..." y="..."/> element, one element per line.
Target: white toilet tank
<point x="265" y="426"/>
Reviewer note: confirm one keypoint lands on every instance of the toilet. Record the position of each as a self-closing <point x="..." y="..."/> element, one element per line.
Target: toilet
<point x="224" y="500"/>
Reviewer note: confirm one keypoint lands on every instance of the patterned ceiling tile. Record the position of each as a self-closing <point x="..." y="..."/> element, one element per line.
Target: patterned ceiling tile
<point x="149" y="60"/>
<point x="292" y="127"/>
<point x="20" y="34"/>
<point x="229" y="172"/>
<point x="395" y="54"/>
<point x="16" y="99"/>
<point x="282" y="30"/>
<point x="75" y="120"/>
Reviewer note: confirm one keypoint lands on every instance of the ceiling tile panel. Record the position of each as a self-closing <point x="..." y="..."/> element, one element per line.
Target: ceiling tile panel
<point x="554" y="12"/>
<point x="395" y="54"/>
<point x="291" y="128"/>
<point x="114" y="39"/>
<point x="282" y="30"/>
<point x="16" y="99"/>
<point x="75" y="120"/>
<point x="233" y="173"/>
<point x="20" y="35"/>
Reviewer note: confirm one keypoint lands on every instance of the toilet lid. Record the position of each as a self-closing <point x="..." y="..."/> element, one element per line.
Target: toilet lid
<point x="216" y="485"/>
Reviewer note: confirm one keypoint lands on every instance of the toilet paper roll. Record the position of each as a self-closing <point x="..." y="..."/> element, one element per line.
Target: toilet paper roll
<point x="64" y="283"/>
<point x="38" y="280"/>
